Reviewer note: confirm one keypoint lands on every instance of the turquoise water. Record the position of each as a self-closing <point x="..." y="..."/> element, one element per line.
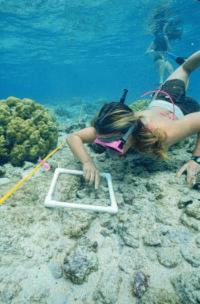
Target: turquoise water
<point x="53" y="50"/>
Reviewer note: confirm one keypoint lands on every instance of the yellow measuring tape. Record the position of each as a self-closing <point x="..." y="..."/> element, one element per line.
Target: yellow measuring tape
<point x="26" y="177"/>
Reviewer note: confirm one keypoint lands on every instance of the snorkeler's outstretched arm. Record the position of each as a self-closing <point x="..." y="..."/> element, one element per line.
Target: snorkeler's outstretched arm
<point x="192" y="168"/>
<point x="186" y="126"/>
<point x="76" y="143"/>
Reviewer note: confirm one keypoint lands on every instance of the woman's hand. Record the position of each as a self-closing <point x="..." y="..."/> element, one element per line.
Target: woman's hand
<point x="192" y="169"/>
<point x="91" y="174"/>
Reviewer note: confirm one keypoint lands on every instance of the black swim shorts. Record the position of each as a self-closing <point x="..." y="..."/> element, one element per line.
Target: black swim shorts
<point x="176" y="89"/>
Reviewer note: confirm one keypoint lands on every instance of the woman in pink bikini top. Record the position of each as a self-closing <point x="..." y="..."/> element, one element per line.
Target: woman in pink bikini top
<point x="170" y="117"/>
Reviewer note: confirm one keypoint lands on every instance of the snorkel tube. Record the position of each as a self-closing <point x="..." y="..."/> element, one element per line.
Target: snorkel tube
<point x="122" y="99"/>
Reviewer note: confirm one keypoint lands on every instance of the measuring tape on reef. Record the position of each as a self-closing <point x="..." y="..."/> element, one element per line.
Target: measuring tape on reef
<point x="26" y="177"/>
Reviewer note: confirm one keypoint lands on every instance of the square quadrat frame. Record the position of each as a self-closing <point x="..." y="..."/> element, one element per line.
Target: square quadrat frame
<point x="49" y="202"/>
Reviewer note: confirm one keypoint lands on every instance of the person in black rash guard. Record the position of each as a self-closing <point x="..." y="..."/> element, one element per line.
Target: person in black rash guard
<point x="159" y="48"/>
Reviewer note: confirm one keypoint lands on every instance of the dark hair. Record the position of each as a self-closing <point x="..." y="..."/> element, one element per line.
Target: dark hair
<point x="115" y="117"/>
<point x="110" y="113"/>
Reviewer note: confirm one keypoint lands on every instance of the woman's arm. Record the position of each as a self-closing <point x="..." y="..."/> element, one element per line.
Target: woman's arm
<point x="186" y="126"/>
<point x="76" y="142"/>
<point x="182" y="128"/>
<point x="196" y="151"/>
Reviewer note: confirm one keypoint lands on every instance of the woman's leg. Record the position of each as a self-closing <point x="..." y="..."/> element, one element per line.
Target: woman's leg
<point x="183" y="72"/>
<point x="169" y="68"/>
<point x="160" y="67"/>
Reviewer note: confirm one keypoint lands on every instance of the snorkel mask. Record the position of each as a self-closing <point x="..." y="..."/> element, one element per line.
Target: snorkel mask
<point x="118" y="144"/>
<point x="114" y="141"/>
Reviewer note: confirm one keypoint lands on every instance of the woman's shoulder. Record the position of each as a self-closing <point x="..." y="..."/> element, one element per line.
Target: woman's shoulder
<point x="87" y="135"/>
<point x="87" y="130"/>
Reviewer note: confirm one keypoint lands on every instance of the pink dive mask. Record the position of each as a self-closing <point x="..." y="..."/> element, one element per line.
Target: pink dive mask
<point x="118" y="144"/>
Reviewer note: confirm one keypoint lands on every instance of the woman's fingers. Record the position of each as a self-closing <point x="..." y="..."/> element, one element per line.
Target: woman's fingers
<point x="86" y="174"/>
<point x="91" y="174"/>
<point x="181" y="170"/>
<point x="91" y="179"/>
<point x="191" y="180"/>
<point x="192" y="169"/>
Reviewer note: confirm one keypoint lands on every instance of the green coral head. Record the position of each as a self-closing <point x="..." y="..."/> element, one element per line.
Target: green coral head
<point x="27" y="131"/>
<point x="140" y="105"/>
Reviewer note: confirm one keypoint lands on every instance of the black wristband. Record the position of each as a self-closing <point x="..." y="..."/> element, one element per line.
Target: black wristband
<point x="196" y="159"/>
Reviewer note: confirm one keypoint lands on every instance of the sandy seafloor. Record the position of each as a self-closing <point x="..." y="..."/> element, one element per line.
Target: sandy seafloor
<point x="149" y="252"/>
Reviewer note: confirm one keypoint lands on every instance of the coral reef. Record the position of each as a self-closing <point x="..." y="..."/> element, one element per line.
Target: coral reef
<point x="139" y="104"/>
<point x="27" y="131"/>
<point x="148" y="253"/>
<point x="81" y="262"/>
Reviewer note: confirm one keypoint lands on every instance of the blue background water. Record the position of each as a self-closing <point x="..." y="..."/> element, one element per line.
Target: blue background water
<point x="53" y="50"/>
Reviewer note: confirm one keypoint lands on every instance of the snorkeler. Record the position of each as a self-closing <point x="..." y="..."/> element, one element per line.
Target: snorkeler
<point x="164" y="30"/>
<point x="158" y="49"/>
<point x="169" y="118"/>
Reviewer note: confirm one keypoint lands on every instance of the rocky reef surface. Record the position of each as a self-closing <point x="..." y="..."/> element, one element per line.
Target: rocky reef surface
<point x="148" y="253"/>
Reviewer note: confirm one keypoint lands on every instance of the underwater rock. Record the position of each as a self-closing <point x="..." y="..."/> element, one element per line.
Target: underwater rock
<point x="128" y="198"/>
<point x="77" y="223"/>
<point x="153" y="187"/>
<point x="9" y="292"/>
<point x="197" y="240"/>
<point x="38" y="295"/>
<point x="27" y="165"/>
<point x="169" y="257"/>
<point x="187" y="287"/>
<point x="160" y="296"/>
<point x="74" y="126"/>
<point x="107" y="289"/>
<point x="192" y="255"/>
<point x="58" y="298"/>
<point x="2" y="171"/>
<point x="131" y="260"/>
<point x="177" y="236"/>
<point x="4" y="181"/>
<point x="56" y="269"/>
<point x="80" y="262"/>
<point x="164" y="216"/>
<point x="67" y="187"/>
<point x="184" y="201"/>
<point x="190" y="222"/>
<point x="29" y="252"/>
<point x="62" y="112"/>
<point x="140" y="284"/>
<point x="193" y="210"/>
<point x="130" y="237"/>
<point x="153" y="238"/>
<point x="110" y="227"/>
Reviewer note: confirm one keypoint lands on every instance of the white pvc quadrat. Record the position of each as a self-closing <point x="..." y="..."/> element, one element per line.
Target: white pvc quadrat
<point x="49" y="202"/>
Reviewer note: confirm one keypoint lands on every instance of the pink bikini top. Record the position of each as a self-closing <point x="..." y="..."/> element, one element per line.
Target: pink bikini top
<point x="176" y="112"/>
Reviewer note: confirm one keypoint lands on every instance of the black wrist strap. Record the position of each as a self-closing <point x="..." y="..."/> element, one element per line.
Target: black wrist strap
<point x="196" y="159"/>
